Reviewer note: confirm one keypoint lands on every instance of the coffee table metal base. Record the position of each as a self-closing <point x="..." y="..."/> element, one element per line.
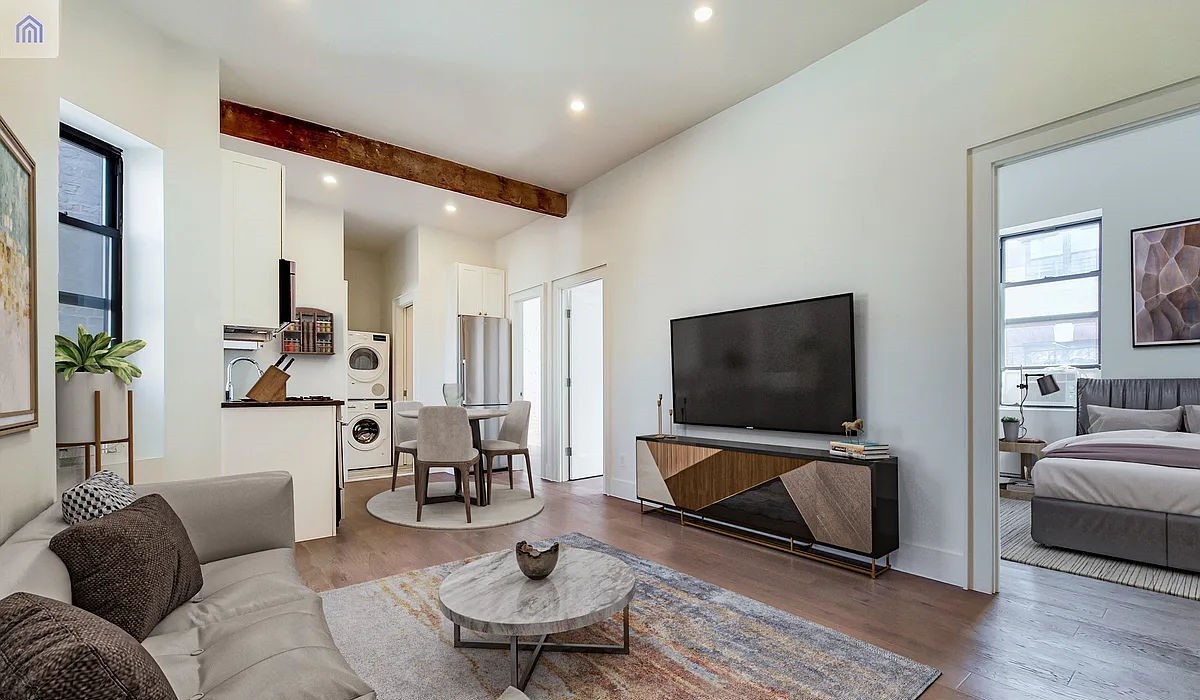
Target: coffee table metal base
<point x="514" y="645"/>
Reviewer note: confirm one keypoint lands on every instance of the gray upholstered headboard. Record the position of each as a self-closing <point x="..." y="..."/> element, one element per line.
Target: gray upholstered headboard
<point x="1133" y="393"/>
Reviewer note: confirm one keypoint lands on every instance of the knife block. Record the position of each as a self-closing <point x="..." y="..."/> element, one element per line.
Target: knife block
<point x="271" y="386"/>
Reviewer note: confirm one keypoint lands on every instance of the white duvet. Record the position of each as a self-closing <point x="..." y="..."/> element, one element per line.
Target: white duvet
<point x="1124" y="484"/>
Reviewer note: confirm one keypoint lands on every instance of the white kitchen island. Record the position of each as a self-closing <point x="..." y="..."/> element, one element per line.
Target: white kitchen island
<point x="299" y="437"/>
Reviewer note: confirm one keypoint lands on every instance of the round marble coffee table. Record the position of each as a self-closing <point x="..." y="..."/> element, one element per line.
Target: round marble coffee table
<point x="492" y="596"/>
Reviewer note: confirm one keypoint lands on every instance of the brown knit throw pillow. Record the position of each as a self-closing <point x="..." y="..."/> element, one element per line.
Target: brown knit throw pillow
<point x="131" y="567"/>
<point x="51" y="650"/>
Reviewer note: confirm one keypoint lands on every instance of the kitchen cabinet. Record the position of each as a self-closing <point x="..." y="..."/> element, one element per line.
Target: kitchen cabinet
<point x="252" y="219"/>
<point x="300" y="439"/>
<point x="481" y="291"/>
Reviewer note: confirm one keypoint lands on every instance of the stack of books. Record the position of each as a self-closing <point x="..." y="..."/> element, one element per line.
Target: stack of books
<point x="859" y="449"/>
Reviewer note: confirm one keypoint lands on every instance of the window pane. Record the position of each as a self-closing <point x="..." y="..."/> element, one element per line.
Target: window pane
<point x="85" y="263"/>
<point x="81" y="183"/>
<point x="1047" y="343"/>
<point x="1067" y="251"/>
<point x="70" y="317"/>
<point x="1064" y="298"/>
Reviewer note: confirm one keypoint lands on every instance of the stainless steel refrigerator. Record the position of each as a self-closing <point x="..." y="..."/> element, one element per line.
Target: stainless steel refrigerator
<point x="484" y="360"/>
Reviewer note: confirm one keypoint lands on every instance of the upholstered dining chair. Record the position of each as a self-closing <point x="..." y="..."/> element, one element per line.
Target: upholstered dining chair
<point x="444" y="440"/>
<point x="404" y="438"/>
<point x="513" y="440"/>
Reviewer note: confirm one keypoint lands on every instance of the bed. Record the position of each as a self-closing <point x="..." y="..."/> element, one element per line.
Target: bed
<point x="1129" y="494"/>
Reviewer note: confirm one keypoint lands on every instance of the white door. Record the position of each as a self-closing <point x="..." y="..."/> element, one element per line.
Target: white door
<point x="493" y="292"/>
<point x="584" y="353"/>
<point x="527" y="364"/>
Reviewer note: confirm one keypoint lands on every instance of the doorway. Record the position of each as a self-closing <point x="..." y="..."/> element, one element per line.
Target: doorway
<point x="582" y="324"/>
<point x="526" y="312"/>
<point x="986" y="163"/>
<point x="402" y="360"/>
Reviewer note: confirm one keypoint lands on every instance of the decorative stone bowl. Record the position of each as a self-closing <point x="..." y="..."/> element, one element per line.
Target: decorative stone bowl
<point x="536" y="564"/>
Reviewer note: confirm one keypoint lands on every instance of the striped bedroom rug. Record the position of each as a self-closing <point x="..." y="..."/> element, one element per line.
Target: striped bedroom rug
<point x="1017" y="545"/>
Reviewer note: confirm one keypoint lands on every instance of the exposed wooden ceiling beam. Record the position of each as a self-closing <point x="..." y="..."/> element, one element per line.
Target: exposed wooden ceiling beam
<point x="299" y="136"/>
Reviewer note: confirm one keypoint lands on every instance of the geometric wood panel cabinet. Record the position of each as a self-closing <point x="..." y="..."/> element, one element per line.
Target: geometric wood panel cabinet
<point x="792" y="497"/>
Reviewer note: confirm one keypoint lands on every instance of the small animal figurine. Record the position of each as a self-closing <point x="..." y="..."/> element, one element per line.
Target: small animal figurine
<point x="853" y="427"/>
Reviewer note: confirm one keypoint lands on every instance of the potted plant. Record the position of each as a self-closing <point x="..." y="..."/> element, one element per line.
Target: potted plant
<point x="1011" y="426"/>
<point x="88" y="364"/>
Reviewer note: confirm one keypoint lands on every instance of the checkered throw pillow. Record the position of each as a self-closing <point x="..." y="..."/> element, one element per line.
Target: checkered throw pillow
<point x="98" y="496"/>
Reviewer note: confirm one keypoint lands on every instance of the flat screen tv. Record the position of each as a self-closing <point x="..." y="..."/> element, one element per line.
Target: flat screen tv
<point x="781" y="367"/>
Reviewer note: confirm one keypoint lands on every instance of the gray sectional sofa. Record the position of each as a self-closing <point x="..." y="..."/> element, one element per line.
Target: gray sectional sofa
<point x="254" y="630"/>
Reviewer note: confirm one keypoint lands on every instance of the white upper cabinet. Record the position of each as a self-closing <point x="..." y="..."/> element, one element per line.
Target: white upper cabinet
<point x="481" y="291"/>
<point x="252" y="211"/>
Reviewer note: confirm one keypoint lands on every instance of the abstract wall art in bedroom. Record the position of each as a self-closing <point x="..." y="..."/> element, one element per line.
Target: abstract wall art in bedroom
<point x="1166" y="284"/>
<point x="18" y="287"/>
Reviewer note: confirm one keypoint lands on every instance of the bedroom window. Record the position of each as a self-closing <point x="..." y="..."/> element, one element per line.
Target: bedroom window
<point x="1050" y="298"/>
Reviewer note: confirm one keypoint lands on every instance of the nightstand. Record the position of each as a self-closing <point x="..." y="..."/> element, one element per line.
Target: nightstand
<point x="1030" y="451"/>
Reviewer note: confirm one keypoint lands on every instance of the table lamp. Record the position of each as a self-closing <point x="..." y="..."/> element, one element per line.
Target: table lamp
<point x="1046" y="385"/>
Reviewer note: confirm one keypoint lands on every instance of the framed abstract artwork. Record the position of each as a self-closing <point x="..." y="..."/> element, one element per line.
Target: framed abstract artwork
<point x="1166" y="284"/>
<point x="18" y="287"/>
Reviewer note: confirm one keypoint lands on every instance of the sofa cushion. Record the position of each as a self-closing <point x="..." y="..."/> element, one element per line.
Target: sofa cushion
<point x="237" y="586"/>
<point x="102" y="493"/>
<point x="280" y="653"/>
<point x="51" y="650"/>
<point x="131" y="567"/>
<point x="27" y="564"/>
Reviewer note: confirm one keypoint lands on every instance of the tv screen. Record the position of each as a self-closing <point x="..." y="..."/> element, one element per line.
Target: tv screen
<point x="781" y="367"/>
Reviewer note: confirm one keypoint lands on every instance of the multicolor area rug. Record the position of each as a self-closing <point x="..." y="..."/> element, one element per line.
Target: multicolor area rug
<point x="690" y="640"/>
<point x="1016" y="544"/>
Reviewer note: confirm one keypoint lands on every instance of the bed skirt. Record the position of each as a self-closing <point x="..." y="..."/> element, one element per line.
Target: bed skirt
<point x="1150" y="537"/>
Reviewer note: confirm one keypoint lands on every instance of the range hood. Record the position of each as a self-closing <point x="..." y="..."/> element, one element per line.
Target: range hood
<point x="249" y="337"/>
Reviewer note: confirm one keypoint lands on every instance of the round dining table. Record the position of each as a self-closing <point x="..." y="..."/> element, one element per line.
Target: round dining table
<point x="475" y="414"/>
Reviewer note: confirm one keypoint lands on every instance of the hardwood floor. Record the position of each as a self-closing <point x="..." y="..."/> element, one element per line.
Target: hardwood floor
<point x="1046" y="635"/>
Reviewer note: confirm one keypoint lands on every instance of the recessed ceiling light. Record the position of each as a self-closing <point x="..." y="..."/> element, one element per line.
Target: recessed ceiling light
<point x="329" y="180"/>
<point x="703" y="13"/>
<point x="450" y="208"/>
<point x="577" y="105"/>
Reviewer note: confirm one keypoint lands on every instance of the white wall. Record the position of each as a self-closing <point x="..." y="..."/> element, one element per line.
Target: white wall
<point x="313" y="239"/>
<point x="369" y="302"/>
<point x="850" y="176"/>
<point x="118" y="68"/>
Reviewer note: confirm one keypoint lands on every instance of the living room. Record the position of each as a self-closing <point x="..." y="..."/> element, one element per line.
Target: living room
<point x="841" y="170"/>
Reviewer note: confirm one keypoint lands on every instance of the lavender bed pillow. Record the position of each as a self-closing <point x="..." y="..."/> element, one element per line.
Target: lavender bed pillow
<point x="1102" y="419"/>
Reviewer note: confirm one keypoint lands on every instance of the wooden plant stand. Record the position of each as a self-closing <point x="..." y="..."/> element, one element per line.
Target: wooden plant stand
<point x="98" y="444"/>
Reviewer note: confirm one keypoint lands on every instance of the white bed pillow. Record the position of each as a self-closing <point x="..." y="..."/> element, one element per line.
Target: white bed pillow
<point x="1102" y="419"/>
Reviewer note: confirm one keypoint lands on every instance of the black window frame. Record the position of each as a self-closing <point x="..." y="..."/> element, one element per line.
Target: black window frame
<point x="1032" y="401"/>
<point x="111" y="228"/>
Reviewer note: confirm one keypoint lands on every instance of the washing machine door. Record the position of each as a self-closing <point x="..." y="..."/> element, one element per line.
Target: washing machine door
<point x="366" y="433"/>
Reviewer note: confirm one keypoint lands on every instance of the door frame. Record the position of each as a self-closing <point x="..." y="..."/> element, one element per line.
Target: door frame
<point x="983" y="164"/>
<point x="540" y="291"/>
<point x="559" y="436"/>
<point x="401" y="307"/>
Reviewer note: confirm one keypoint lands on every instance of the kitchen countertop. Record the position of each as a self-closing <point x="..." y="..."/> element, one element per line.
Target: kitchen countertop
<point x="281" y="404"/>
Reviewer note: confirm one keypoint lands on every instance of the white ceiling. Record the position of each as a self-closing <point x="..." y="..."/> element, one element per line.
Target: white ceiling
<point x="380" y="208"/>
<point x="488" y="83"/>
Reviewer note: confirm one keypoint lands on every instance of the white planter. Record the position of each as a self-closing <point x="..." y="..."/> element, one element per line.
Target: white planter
<point x="76" y="415"/>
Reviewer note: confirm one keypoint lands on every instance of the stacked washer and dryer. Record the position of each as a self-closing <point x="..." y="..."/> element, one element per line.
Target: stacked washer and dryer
<point x="368" y="423"/>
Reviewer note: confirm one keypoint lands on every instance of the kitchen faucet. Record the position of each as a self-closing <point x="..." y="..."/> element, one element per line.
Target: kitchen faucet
<point x="229" y="374"/>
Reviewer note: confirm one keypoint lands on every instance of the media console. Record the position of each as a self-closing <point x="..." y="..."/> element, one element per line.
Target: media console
<point x="803" y="501"/>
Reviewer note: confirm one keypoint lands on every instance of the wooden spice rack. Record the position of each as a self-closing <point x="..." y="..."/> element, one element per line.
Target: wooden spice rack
<point x="310" y="334"/>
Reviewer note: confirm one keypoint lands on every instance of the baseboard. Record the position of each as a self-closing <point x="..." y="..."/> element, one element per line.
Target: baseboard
<point x="625" y="489"/>
<point x="931" y="562"/>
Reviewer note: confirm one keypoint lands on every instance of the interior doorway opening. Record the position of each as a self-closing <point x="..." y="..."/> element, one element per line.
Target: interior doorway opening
<point x="576" y="397"/>
<point x="526" y="309"/>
